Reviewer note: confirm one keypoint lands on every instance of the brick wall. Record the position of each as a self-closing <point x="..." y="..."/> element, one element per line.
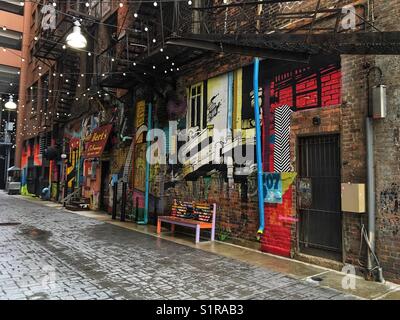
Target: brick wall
<point x="235" y="216"/>
<point x="387" y="152"/>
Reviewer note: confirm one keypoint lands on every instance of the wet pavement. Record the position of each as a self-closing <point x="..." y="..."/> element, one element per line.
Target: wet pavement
<point x="51" y="253"/>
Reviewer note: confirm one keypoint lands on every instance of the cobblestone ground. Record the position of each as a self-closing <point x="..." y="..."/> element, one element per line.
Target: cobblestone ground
<point x="55" y="254"/>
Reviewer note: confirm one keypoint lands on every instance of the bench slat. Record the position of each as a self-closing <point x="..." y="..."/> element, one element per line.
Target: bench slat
<point x="177" y="220"/>
<point x="204" y="217"/>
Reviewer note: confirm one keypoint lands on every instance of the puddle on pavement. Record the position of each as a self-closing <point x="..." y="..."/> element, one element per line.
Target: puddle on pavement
<point x="35" y="233"/>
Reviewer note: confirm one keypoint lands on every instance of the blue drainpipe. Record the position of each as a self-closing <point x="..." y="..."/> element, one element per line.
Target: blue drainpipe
<point x="148" y="144"/>
<point x="258" y="149"/>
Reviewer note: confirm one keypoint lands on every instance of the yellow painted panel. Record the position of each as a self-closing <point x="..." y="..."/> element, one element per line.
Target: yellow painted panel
<point x="237" y="99"/>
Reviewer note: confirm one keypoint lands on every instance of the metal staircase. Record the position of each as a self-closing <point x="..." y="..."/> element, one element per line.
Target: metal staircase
<point x="67" y="85"/>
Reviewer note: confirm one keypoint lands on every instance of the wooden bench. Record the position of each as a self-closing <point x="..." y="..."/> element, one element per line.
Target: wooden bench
<point x="192" y="215"/>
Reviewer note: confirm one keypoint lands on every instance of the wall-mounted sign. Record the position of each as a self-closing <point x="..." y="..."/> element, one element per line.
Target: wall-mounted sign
<point x="304" y="193"/>
<point x="272" y="187"/>
<point x="97" y="142"/>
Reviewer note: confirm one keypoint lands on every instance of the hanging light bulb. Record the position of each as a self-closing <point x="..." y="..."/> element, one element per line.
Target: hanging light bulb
<point x="189" y="2"/>
<point x="76" y="39"/>
<point x="135" y="15"/>
<point x="121" y="4"/>
<point x="11" y="105"/>
<point x="155" y="3"/>
<point x="87" y="4"/>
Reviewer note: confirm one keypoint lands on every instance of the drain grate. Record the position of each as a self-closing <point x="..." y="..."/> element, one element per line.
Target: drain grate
<point x="317" y="279"/>
<point x="6" y="224"/>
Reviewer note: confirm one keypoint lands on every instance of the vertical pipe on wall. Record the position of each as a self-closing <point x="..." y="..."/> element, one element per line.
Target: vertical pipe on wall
<point x="148" y="155"/>
<point x="258" y="148"/>
<point x="370" y="188"/>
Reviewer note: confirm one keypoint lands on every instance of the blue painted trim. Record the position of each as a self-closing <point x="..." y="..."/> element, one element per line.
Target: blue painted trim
<point x="258" y="148"/>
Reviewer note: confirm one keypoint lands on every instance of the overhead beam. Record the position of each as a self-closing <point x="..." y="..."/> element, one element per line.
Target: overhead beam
<point x="380" y="43"/>
<point x="240" y="49"/>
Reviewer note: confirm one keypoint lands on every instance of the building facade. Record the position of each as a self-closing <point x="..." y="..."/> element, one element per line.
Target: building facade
<point x="186" y="69"/>
<point x="11" y="17"/>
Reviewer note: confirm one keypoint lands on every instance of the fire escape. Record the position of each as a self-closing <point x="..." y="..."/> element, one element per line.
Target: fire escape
<point x="50" y="46"/>
<point x="283" y="30"/>
<point x="141" y="54"/>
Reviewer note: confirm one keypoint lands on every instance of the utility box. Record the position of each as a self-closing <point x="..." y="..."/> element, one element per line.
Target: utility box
<point x="379" y="102"/>
<point x="353" y="197"/>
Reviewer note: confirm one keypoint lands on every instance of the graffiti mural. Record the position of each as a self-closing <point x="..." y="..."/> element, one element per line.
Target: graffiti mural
<point x="303" y="88"/>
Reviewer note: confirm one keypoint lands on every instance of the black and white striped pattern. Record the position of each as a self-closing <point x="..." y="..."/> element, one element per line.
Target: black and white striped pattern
<point x="282" y="139"/>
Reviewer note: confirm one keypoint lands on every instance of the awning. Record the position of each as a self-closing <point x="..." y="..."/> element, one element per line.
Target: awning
<point x="97" y="141"/>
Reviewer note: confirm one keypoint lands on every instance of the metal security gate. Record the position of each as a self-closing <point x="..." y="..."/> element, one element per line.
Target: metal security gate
<point x="319" y="200"/>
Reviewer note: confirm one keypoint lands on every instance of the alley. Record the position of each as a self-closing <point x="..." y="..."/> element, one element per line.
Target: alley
<point x="48" y="253"/>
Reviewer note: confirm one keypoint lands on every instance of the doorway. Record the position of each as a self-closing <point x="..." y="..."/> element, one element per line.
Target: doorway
<point x="320" y="228"/>
<point x="104" y="188"/>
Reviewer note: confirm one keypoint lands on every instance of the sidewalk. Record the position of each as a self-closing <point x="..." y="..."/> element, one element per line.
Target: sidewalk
<point x="297" y="269"/>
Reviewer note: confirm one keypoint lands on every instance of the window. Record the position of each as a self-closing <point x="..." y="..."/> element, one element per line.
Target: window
<point x="196" y="110"/>
<point x="12" y="6"/>
<point x="10" y="39"/>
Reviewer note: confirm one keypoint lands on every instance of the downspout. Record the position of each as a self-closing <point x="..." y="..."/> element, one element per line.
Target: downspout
<point x="258" y="149"/>
<point x="370" y="187"/>
<point x="371" y="201"/>
<point x="147" y="186"/>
